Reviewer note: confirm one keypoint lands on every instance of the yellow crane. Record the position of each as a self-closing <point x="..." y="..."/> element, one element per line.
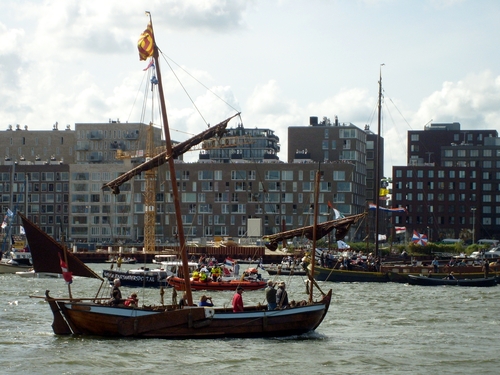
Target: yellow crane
<point x="150" y="188"/>
<point x="150" y="197"/>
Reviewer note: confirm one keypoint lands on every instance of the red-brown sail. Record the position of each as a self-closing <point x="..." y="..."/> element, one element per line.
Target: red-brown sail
<point x="342" y="225"/>
<point x="162" y="158"/>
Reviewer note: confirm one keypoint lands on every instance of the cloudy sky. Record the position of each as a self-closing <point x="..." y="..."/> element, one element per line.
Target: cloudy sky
<point x="278" y="62"/>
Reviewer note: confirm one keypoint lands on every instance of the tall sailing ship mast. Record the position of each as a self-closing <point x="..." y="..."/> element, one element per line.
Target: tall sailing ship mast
<point x="378" y="158"/>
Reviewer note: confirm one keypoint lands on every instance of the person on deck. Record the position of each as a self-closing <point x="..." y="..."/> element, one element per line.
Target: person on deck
<point x="132" y="301"/>
<point x="435" y="264"/>
<point x="238" y="300"/>
<point x="282" y="296"/>
<point x="236" y="268"/>
<point x="206" y="301"/>
<point x="119" y="262"/>
<point x="271" y="295"/>
<point x="116" y="294"/>
<point x="486" y="268"/>
<point x="203" y="276"/>
<point x="216" y="273"/>
<point x="450" y="276"/>
<point x="184" y="301"/>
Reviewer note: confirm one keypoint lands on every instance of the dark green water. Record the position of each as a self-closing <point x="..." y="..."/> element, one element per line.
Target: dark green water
<point x="370" y="329"/>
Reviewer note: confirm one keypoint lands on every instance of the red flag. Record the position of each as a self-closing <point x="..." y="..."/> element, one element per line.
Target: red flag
<point x="67" y="276"/>
<point x="330" y="204"/>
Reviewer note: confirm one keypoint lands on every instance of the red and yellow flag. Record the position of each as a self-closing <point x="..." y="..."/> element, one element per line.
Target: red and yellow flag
<point x="146" y="43"/>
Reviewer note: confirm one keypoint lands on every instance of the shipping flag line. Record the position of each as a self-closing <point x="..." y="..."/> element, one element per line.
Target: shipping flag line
<point x="372" y="206"/>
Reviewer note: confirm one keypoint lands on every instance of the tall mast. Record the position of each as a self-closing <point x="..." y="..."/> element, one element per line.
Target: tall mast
<point x="315" y="225"/>
<point x="173" y="177"/>
<point x="377" y="165"/>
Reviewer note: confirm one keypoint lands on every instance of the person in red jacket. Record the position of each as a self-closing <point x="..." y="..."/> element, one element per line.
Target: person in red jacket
<point x="238" y="300"/>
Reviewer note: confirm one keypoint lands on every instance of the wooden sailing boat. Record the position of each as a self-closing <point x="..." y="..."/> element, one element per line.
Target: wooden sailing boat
<point x="94" y="316"/>
<point x="344" y="275"/>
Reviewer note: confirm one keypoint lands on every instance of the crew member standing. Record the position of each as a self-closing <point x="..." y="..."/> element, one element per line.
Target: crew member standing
<point x="271" y="295"/>
<point x="116" y="294"/>
<point x="238" y="300"/>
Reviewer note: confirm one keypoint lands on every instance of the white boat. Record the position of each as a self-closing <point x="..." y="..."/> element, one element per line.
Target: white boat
<point x="15" y="261"/>
<point x="147" y="277"/>
<point x="31" y="273"/>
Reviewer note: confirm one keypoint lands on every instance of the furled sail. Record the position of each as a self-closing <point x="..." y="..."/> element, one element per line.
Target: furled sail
<point x="162" y="158"/>
<point x="47" y="253"/>
<point x="342" y="225"/>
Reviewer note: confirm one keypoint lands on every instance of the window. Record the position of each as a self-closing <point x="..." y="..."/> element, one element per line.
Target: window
<point x="287" y="175"/>
<point x="338" y="175"/>
<point x="272" y="175"/>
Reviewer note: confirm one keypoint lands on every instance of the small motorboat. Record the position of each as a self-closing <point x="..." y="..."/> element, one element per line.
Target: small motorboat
<point x="31" y="273"/>
<point x="431" y="281"/>
<point x="224" y="284"/>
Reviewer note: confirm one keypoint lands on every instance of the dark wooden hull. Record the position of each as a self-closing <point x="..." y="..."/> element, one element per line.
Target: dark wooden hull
<point x="399" y="277"/>
<point x="144" y="280"/>
<point x="179" y="284"/>
<point x="345" y="276"/>
<point x="87" y="318"/>
<point x="285" y="272"/>
<point x="431" y="281"/>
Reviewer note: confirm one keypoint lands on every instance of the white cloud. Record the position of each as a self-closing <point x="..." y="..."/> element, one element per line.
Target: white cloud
<point x="279" y="62"/>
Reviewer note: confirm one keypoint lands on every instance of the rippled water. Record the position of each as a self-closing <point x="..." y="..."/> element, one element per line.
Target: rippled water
<point x="370" y="328"/>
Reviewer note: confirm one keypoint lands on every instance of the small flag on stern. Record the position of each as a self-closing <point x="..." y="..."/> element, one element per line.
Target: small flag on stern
<point x="67" y="276"/>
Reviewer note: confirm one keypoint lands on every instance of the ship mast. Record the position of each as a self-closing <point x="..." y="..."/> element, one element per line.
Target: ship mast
<point x="315" y="226"/>
<point x="377" y="165"/>
<point x="173" y="177"/>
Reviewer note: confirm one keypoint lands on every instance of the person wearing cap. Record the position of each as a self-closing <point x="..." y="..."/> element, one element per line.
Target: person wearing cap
<point x="238" y="300"/>
<point x="282" y="296"/>
<point x="116" y="294"/>
<point x="271" y="295"/>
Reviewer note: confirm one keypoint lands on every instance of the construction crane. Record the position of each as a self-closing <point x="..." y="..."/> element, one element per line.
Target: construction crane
<point x="150" y="197"/>
<point x="150" y="188"/>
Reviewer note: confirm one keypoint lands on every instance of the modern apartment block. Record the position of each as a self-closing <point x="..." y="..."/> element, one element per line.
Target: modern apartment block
<point x="238" y="179"/>
<point x="451" y="185"/>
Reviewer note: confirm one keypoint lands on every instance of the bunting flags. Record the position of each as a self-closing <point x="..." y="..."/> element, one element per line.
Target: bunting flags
<point x="145" y="45"/>
<point x="371" y="206"/>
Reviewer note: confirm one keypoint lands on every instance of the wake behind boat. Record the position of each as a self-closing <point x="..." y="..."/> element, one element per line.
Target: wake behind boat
<point x="96" y="316"/>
